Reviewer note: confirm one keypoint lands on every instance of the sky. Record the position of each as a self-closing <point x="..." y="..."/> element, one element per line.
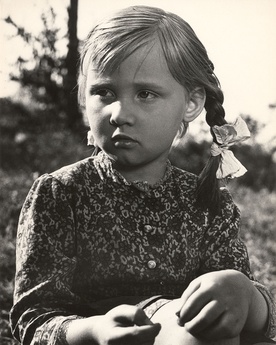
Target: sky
<point x="239" y="35"/>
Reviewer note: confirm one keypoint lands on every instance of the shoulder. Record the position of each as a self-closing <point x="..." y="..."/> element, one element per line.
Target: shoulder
<point x="68" y="180"/>
<point x="186" y="178"/>
<point x="228" y="205"/>
<point x="187" y="183"/>
<point x="75" y="174"/>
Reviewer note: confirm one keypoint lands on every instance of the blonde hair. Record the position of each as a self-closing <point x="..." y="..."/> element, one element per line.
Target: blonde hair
<point x="114" y="39"/>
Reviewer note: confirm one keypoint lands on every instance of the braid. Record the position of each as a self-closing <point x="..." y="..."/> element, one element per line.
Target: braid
<point x="208" y="191"/>
<point x="214" y="110"/>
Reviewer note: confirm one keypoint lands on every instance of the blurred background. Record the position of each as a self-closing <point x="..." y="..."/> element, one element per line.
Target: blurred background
<point x="43" y="129"/>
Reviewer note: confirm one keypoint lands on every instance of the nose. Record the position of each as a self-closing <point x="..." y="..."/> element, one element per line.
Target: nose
<point x="121" y="114"/>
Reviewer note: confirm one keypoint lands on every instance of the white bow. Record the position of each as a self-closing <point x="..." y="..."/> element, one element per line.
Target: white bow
<point x="228" y="135"/>
<point x="229" y="165"/>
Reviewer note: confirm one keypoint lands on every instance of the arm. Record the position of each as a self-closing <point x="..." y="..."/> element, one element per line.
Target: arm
<point x="227" y="281"/>
<point x="45" y="263"/>
<point x="124" y="324"/>
<point x="44" y="302"/>
<point x="258" y="313"/>
<point x="221" y="304"/>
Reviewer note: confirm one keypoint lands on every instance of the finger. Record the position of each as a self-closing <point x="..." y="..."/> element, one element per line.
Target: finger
<point x="222" y="328"/>
<point x="136" y="335"/>
<point x="137" y="316"/>
<point x="148" y="332"/>
<point x="140" y="318"/>
<point x="206" y="318"/>
<point x="129" y="315"/>
<point x="195" y="303"/>
<point x="193" y="286"/>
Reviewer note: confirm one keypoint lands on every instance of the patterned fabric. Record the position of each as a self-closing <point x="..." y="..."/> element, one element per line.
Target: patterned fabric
<point x="82" y="239"/>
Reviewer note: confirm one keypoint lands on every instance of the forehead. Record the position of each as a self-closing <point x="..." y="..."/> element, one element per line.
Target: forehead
<point x="145" y="63"/>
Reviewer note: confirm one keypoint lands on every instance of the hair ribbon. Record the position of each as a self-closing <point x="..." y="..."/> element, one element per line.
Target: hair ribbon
<point x="226" y="136"/>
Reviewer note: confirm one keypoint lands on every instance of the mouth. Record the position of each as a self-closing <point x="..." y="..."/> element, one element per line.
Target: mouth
<point x="120" y="137"/>
<point x="123" y="141"/>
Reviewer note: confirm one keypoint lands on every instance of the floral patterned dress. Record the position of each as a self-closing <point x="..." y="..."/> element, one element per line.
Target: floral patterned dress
<point x="86" y="237"/>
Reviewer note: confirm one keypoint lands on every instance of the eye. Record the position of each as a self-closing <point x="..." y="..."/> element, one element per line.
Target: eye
<point x="102" y="93"/>
<point x="147" y="95"/>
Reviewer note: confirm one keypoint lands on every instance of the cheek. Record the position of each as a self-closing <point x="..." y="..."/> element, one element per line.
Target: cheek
<point x="99" y="123"/>
<point x="179" y="114"/>
<point x="173" y="118"/>
<point x="93" y="112"/>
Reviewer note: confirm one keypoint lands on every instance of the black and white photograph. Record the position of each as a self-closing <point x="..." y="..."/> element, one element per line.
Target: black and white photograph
<point x="137" y="172"/>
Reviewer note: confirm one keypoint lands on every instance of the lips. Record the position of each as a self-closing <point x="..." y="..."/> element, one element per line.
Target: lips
<point x="122" y="137"/>
<point x="123" y="141"/>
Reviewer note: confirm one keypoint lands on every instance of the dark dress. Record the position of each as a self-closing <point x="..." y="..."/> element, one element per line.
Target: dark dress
<point x="83" y="239"/>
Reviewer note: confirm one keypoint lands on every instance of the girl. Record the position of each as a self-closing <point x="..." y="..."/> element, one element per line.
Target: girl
<point x="123" y="247"/>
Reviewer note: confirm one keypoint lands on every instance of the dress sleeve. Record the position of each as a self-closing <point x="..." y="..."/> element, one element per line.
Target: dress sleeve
<point x="45" y="264"/>
<point x="222" y="248"/>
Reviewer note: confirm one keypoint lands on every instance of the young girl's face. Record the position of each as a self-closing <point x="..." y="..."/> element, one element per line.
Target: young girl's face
<point x="135" y="112"/>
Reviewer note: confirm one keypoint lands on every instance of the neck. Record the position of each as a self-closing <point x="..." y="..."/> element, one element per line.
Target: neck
<point x="151" y="173"/>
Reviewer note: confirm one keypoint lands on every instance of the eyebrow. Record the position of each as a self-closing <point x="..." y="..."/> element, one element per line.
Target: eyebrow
<point x="106" y="83"/>
<point x="101" y="84"/>
<point x="148" y="84"/>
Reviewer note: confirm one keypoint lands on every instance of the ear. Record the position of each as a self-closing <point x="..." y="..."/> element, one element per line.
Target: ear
<point x="195" y="104"/>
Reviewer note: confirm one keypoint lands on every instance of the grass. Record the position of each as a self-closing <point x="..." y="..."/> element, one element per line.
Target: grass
<point x="258" y="230"/>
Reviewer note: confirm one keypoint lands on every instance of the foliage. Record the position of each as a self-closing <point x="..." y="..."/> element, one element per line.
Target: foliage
<point x="193" y="155"/>
<point x="26" y="136"/>
<point x="261" y="168"/>
<point x="49" y="75"/>
<point x="43" y="73"/>
<point x="253" y="125"/>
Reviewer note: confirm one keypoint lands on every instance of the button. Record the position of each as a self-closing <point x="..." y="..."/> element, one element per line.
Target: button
<point x="148" y="228"/>
<point x="151" y="264"/>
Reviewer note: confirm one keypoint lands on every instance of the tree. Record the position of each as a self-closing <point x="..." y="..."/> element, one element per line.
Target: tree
<point x="70" y="79"/>
<point x="50" y="76"/>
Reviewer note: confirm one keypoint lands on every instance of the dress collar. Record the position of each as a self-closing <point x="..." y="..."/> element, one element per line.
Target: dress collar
<point x="103" y="165"/>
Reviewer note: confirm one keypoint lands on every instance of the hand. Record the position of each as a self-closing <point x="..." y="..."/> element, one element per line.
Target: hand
<point x="124" y="324"/>
<point x="216" y="305"/>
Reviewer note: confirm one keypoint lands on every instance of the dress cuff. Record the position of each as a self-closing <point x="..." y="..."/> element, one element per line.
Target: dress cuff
<point x="271" y="325"/>
<point x="62" y="331"/>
